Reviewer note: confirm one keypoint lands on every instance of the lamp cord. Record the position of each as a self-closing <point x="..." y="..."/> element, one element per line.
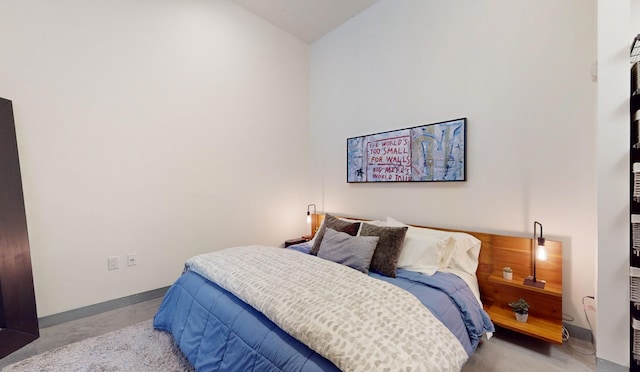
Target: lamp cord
<point x="565" y="332"/>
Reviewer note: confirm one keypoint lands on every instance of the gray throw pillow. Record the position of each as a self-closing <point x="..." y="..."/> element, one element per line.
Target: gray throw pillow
<point x="352" y="251"/>
<point x="337" y="224"/>
<point x="385" y="257"/>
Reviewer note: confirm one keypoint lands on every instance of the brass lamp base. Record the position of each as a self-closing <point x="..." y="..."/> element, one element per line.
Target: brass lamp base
<point x="534" y="282"/>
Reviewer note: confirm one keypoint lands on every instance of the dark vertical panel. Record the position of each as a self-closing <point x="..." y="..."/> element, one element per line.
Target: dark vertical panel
<point x="19" y="321"/>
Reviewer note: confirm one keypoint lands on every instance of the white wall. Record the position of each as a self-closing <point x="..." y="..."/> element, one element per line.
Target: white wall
<point x="129" y="117"/>
<point x="162" y="127"/>
<point x="614" y="40"/>
<point x="519" y="71"/>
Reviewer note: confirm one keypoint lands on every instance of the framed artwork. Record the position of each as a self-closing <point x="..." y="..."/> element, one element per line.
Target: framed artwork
<point x="426" y="153"/>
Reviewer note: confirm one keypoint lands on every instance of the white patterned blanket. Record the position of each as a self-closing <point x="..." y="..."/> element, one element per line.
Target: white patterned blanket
<point x="357" y="322"/>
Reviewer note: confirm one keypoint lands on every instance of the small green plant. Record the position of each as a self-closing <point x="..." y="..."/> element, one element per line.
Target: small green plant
<point x="507" y="269"/>
<point x="521" y="306"/>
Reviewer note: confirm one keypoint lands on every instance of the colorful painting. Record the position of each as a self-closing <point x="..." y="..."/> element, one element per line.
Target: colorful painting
<point x="427" y="153"/>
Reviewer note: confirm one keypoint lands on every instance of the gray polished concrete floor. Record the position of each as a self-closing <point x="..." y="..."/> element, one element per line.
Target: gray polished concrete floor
<point x="80" y="329"/>
<point x="510" y="351"/>
<point x="506" y="351"/>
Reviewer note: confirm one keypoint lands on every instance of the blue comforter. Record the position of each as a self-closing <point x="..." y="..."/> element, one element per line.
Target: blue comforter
<point x="218" y="332"/>
<point x="450" y="300"/>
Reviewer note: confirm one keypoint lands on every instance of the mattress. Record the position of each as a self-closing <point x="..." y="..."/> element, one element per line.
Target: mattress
<point x="217" y="331"/>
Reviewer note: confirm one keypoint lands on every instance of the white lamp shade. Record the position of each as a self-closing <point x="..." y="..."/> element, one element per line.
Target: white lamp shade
<point x="541" y="253"/>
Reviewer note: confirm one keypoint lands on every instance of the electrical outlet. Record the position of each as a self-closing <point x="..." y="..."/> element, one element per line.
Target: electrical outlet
<point x="589" y="306"/>
<point x="113" y="263"/>
<point x="132" y="259"/>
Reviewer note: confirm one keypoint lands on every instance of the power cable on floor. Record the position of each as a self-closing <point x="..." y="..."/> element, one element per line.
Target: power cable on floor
<point x="565" y="332"/>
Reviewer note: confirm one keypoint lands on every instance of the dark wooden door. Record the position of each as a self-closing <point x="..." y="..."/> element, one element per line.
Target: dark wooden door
<point x="18" y="317"/>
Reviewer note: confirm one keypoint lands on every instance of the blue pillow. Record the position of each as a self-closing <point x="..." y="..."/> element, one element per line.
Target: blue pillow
<point x="301" y="247"/>
<point x="353" y="251"/>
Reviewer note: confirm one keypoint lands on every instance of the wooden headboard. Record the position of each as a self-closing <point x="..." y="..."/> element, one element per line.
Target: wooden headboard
<point x="545" y="314"/>
<point x="498" y="251"/>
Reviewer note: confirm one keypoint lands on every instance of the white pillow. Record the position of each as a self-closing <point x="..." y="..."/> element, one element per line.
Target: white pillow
<point x="422" y="231"/>
<point x="376" y="222"/>
<point x="463" y="248"/>
<point x="425" y="254"/>
<point x="466" y="260"/>
<point x="467" y="251"/>
<point x="371" y="222"/>
<point x="445" y="256"/>
<point x="313" y="240"/>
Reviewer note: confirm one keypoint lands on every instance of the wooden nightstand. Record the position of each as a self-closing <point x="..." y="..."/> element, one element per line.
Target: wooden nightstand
<point x="295" y="241"/>
<point x="545" y="316"/>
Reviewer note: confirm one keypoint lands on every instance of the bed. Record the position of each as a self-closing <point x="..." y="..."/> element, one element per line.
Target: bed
<point x="361" y="296"/>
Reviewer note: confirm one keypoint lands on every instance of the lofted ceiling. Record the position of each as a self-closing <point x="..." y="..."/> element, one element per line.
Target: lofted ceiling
<point x="308" y="20"/>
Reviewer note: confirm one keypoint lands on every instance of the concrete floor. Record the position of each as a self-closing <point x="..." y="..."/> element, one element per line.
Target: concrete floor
<point x="80" y="329"/>
<point x="510" y="351"/>
<point x="506" y="351"/>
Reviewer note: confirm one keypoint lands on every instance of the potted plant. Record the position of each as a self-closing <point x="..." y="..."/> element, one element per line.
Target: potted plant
<point x="507" y="273"/>
<point x="521" y="308"/>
